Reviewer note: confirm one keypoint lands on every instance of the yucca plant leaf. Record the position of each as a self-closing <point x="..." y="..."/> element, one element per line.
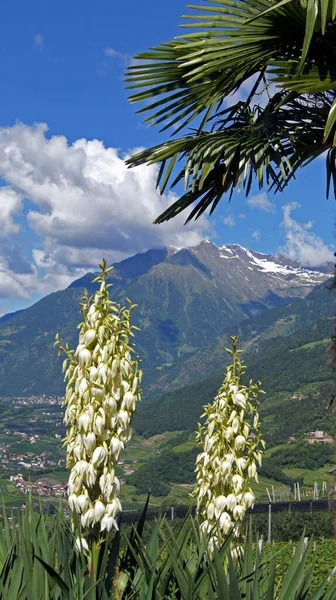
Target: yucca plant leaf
<point x="143" y="564"/>
<point x="8" y="565"/>
<point x="233" y="580"/>
<point x="2" y="590"/>
<point x="186" y="534"/>
<point x="16" y="581"/>
<point x="222" y="585"/>
<point x="147" y="594"/>
<point x="54" y="575"/>
<point x="330" y="592"/>
<point x="295" y="572"/>
<point x="93" y="592"/>
<point x="318" y="594"/>
<point x="181" y="573"/>
<point x="211" y="595"/>
<point x="247" y="561"/>
<point x="7" y="529"/>
<point x="307" y="581"/>
<point x="271" y="582"/>
<point x="112" y="561"/>
<point x="177" y="541"/>
<point x="128" y="560"/>
<point x="255" y="583"/>
<point x="26" y="554"/>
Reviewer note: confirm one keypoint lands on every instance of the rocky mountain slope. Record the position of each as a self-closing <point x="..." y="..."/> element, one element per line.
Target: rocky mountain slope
<point x="189" y="302"/>
<point x="287" y="349"/>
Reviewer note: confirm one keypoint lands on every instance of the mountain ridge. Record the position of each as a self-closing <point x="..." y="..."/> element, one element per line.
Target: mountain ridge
<point x="298" y="363"/>
<point x="188" y="300"/>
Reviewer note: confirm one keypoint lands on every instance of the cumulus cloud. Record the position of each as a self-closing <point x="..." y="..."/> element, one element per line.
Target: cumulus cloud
<point x="12" y="285"/>
<point x="261" y="202"/>
<point x="229" y="221"/>
<point x="39" y="40"/>
<point x="10" y="206"/>
<point x="301" y="243"/>
<point x="83" y="204"/>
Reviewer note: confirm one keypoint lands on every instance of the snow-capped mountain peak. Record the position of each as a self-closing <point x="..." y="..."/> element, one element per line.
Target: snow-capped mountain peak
<point x="260" y="272"/>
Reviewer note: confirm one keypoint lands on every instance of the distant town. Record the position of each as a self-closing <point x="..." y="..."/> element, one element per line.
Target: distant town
<point x="42" y="487"/>
<point x="32" y="456"/>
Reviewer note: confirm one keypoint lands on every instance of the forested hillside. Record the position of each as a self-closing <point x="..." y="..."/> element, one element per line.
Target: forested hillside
<point x="188" y="301"/>
<point x="286" y="363"/>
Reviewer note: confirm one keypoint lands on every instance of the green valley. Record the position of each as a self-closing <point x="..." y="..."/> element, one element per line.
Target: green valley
<point x="285" y="342"/>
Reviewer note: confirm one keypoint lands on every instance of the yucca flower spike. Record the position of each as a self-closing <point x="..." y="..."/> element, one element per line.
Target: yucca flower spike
<point x="231" y="444"/>
<point x="102" y="390"/>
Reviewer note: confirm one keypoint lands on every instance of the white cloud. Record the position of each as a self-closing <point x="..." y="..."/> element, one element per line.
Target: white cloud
<point x="261" y="202"/>
<point x="302" y="244"/>
<point x="39" y="40"/>
<point x="112" y="56"/>
<point x="256" y="235"/>
<point x="229" y="221"/>
<point x="11" y="284"/>
<point x="10" y="206"/>
<point x="85" y="205"/>
<point x="111" y="52"/>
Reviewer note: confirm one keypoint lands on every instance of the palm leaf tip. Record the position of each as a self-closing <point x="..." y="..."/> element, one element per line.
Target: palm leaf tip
<point x="191" y="78"/>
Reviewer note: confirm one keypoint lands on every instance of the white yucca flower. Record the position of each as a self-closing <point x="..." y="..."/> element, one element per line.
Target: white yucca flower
<point x="231" y="446"/>
<point x="101" y="395"/>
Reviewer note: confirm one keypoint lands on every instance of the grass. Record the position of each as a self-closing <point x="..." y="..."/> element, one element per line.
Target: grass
<point x="185" y="349"/>
<point x="309" y="477"/>
<point x="137" y="453"/>
<point x="184" y="447"/>
<point x="179" y="494"/>
<point x="271" y="451"/>
<point x="311" y="345"/>
<point x="56" y="476"/>
<point x="281" y="326"/>
<point x="259" y="489"/>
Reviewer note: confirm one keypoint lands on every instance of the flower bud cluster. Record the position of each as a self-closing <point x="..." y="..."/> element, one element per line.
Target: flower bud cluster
<point x="101" y="395"/>
<point x="231" y="449"/>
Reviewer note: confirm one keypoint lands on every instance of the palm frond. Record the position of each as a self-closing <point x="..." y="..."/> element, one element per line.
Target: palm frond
<point x="285" y="48"/>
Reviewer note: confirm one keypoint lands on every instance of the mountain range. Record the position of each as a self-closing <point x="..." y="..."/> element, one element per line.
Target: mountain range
<point x="189" y="302"/>
<point x="286" y="348"/>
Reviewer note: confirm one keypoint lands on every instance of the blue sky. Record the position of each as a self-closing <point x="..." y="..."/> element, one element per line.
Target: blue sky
<point x="66" y="198"/>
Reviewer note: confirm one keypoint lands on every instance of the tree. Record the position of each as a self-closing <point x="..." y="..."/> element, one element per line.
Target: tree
<point x="279" y="57"/>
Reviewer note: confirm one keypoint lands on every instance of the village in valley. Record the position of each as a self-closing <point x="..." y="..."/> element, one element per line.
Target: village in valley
<point x="32" y="457"/>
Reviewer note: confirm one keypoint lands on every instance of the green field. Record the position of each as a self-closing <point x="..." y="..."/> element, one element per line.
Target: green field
<point x="321" y="556"/>
<point x="311" y="345"/>
<point x="164" y="462"/>
<point x="309" y="477"/>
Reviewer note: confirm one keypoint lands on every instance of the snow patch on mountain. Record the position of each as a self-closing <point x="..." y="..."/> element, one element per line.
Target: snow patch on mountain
<point x="272" y="264"/>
